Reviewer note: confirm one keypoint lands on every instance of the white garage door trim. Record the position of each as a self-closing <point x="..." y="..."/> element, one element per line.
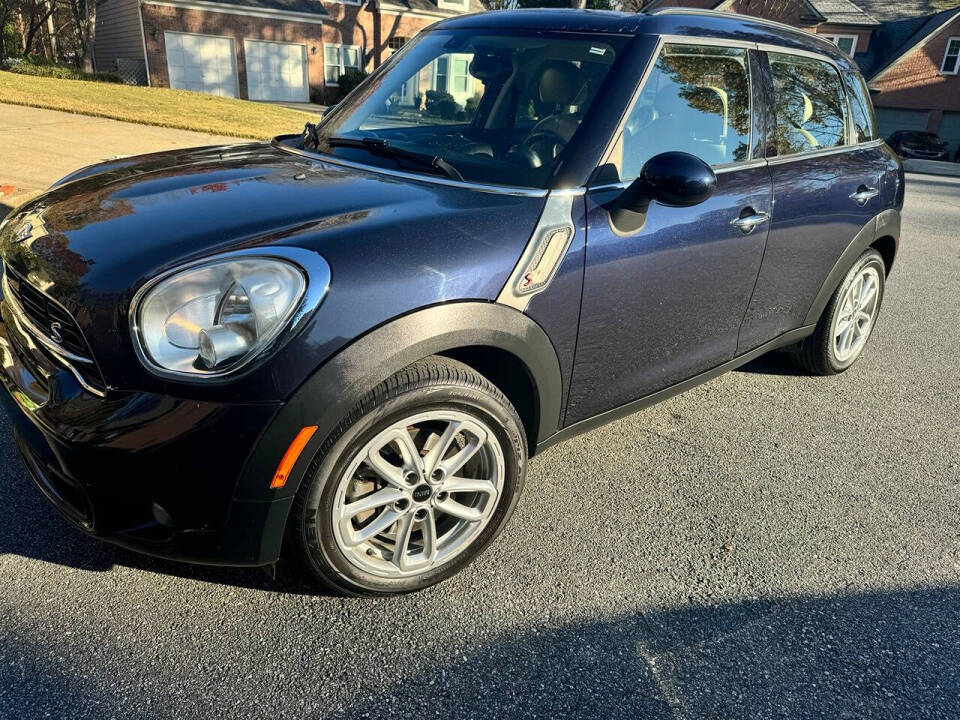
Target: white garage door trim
<point x="202" y="63"/>
<point x="263" y="83"/>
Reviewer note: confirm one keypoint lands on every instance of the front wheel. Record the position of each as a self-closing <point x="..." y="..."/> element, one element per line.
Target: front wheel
<point x="415" y="483"/>
<point x="848" y="320"/>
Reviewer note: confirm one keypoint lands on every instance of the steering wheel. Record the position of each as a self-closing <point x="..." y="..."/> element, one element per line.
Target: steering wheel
<point x="542" y="145"/>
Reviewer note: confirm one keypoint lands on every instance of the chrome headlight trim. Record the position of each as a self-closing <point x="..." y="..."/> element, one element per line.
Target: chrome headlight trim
<point x="317" y="274"/>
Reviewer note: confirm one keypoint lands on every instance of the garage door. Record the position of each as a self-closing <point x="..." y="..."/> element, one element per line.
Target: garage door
<point x="889" y="120"/>
<point x="202" y="63"/>
<point x="950" y="130"/>
<point x="276" y="71"/>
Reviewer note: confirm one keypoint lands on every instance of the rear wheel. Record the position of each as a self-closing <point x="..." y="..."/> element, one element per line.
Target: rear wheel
<point x="413" y="485"/>
<point x="849" y="319"/>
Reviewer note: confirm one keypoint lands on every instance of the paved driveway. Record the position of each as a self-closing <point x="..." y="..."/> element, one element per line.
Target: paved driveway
<point x="38" y="147"/>
<point x="768" y="545"/>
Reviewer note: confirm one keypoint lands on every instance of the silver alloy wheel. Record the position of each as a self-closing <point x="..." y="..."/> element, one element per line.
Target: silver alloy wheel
<point x="854" y="320"/>
<point x="418" y="494"/>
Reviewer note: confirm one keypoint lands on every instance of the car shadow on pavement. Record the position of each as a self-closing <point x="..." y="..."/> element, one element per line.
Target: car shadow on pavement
<point x="870" y="655"/>
<point x="875" y="654"/>
<point x="4" y="209"/>
<point x="773" y="363"/>
<point x="31" y="527"/>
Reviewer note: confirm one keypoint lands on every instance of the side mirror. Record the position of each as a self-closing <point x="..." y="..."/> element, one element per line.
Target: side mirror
<point x="673" y="178"/>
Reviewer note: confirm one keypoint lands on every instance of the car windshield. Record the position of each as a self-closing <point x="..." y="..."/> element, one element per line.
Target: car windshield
<point x="484" y="106"/>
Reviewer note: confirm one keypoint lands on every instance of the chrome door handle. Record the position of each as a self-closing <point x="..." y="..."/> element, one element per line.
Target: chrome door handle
<point x="863" y="194"/>
<point x="748" y="223"/>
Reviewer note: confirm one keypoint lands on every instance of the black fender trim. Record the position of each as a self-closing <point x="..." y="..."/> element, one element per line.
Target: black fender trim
<point x="336" y="387"/>
<point x="591" y="423"/>
<point x="886" y="223"/>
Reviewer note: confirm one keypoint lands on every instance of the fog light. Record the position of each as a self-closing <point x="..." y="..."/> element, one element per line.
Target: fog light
<point x="221" y="343"/>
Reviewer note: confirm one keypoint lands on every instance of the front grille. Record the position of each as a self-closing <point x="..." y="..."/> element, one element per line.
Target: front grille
<point x="55" y="327"/>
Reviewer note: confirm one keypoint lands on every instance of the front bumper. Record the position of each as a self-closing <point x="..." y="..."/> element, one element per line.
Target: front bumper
<point x="153" y="473"/>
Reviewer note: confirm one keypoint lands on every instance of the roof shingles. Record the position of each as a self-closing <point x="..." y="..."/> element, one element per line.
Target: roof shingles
<point x="842" y="12"/>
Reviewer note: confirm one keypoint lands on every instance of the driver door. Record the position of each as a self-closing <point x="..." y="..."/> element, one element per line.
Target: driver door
<point x="665" y="295"/>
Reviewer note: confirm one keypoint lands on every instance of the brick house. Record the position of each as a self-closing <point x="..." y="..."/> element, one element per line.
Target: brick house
<point x="909" y="55"/>
<point x="274" y="50"/>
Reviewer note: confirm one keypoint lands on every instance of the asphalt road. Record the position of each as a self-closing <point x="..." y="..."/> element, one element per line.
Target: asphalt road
<point x="767" y="545"/>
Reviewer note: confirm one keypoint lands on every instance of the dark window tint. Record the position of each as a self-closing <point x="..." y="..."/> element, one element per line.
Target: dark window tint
<point x="809" y="103"/>
<point x="696" y="100"/>
<point x="864" y="119"/>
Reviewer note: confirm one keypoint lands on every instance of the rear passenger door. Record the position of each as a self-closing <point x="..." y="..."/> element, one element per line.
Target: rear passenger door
<point x="663" y="301"/>
<point x="827" y="179"/>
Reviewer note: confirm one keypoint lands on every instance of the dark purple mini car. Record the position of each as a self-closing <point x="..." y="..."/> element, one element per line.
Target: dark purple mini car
<point x="344" y="346"/>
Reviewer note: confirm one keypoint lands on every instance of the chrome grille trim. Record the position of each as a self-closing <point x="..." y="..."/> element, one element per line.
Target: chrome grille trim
<point x="63" y="356"/>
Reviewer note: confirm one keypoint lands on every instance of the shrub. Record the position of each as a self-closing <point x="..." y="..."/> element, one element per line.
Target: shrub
<point x="442" y="104"/>
<point x="470" y="109"/>
<point x="40" y="67"/>
<point x="349" y="80"/>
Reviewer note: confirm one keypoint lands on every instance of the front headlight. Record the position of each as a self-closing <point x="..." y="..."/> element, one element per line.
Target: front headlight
<point x="211" y="319"/>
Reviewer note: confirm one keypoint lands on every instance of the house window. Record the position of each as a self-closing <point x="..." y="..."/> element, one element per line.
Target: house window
<point x="951" y="58"/>
<point x="453" y="4"/>
<point x="395" y="43"/>
<point x="847" y="43"/>
<point x="337" y="59"/>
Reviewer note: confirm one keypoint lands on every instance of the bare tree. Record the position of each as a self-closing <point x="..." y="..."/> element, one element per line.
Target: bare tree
<point x="34" y="15"/>
<point x="85" y="21"/>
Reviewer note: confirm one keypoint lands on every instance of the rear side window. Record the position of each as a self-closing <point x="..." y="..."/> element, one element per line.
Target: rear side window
<point x="696" y="100"/>
<point x="809" y="102"/>
<point x="864" y="119"/>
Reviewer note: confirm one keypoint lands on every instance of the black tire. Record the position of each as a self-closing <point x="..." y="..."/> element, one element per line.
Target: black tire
<point x="816" y="353"/>
<point x="435" y="383"/>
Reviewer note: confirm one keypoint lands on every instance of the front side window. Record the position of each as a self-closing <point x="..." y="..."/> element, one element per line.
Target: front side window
<point x="951" y="57"/>
<point x="809" y="103"/>
<point x="487" y="106"/>
<point x="337" y="59"/>
<point x="696" y="100"/>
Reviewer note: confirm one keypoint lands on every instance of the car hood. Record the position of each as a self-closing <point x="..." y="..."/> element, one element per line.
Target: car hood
<point x="393" y="244"/>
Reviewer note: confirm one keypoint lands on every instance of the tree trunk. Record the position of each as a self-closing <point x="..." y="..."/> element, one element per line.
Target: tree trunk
<point x="52" y="32"/>
<point x="34" y="26"/>
<point x="578" y="4"/>
<point x="89" y="40"/>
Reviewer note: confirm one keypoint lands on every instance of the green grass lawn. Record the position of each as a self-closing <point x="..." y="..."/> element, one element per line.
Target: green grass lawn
<point x="153" y="106"/>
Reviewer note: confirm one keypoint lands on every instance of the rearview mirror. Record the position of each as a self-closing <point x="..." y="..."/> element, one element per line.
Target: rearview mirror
<point x="677" y="179"/>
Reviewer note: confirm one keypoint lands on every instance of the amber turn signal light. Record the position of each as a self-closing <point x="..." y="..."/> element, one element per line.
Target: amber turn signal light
<point x="291" y="456"/>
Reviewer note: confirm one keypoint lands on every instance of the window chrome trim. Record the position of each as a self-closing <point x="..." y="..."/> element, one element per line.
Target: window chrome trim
<point x="759" y="162"/>
<point x="714" y="41"/>
<point x="781" y="159"/>
<point x="416" y="177"/>
<point x="781" y="50"/>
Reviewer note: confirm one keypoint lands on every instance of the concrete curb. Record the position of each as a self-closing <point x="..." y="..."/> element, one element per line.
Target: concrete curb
<point x="932" y="167"/>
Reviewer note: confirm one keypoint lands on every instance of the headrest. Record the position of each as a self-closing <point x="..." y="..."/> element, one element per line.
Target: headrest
<point x="807" y="109"/>
<point x="561" y="83"/>
<point x="486" y="67"/>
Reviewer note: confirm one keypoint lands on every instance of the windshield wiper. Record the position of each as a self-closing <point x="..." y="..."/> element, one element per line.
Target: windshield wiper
<point x="378" y="146"/>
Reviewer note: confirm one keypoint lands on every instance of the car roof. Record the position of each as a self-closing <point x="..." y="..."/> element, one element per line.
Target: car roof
<point x="681" y="22"/>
